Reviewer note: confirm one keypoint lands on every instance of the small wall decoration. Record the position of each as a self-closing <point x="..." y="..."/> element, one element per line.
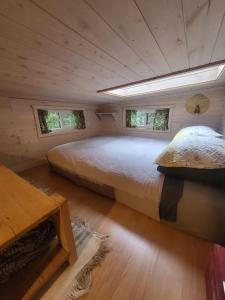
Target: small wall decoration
<point x="198" y="104"/>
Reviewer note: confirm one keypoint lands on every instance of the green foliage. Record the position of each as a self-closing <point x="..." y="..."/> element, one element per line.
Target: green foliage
<point x="150" y="117"/>
<point x="140" y="119"/>
<point x="161" y="119"/>
<point x="79" y="119"/>
<point x="69" y="119"/>
<point x="53" y="120"/>
<point x="131" y="118"/>
<point x="42" y="115"/>
<point x="156" y="119"/>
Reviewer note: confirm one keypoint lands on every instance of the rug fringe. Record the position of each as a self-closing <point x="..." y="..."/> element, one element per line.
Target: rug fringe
<point x="83" y="280"/>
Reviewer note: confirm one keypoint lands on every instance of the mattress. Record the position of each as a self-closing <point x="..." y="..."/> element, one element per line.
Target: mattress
<point x="123" y="168"/>
<point x="124" y="163"/>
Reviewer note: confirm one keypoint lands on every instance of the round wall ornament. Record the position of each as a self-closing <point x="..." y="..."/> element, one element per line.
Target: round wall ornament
<point x="197" y="104"/>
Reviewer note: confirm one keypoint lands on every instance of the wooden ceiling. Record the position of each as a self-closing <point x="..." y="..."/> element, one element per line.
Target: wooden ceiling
<point x="69" y="49"/>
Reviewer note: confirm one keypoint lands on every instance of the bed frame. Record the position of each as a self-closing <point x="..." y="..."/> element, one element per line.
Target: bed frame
<point x="102" y="189"/>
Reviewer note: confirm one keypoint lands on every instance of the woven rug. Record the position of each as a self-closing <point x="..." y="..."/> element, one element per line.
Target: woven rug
<point x="76" y="280"/>
<point x="91" y="248"/>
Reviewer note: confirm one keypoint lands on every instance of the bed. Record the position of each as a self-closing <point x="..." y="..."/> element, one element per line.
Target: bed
<point x="123" y="168"/>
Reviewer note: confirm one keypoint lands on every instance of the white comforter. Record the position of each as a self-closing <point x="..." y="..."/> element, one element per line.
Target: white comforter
<point x="125" y="163"/>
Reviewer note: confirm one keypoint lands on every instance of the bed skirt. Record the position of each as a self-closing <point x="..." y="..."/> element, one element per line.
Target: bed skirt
<point x="102" y="189"/>
<point x="137" y="203"/>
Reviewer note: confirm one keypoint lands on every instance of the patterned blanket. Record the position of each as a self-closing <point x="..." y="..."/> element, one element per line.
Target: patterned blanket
<point x="22" y="251"/>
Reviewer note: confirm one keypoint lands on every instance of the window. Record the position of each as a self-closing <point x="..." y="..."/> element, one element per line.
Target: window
<point x="204" y="75"/>
<point x="53" y="120"/>
<point x="68" y="119"/>
<point x="153" y="119"/>
<point x="56" y="121"/>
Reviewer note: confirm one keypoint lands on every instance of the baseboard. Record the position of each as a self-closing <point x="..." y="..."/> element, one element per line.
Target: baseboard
<point x="27" y="165"/>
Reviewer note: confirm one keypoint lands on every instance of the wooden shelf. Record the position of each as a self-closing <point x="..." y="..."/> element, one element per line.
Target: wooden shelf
<point x="101" y="115"/>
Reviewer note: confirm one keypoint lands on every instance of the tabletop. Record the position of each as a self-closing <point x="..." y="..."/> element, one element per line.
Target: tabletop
<point x="22" y="206"/>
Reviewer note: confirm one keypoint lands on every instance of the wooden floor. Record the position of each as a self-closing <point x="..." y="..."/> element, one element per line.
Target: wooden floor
<point x="148" y="260"/>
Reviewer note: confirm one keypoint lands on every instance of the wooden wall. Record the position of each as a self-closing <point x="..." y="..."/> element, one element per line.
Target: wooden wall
<point x="20" y="146"/>
<point x="180" y="118"/>
<point x="72" y="48"/>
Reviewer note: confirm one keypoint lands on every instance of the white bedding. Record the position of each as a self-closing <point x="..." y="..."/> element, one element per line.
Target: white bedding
<point x="125" y="163"/>
<point x="194" y="151"/>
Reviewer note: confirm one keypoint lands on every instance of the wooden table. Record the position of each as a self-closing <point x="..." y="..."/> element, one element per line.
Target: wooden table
<point x="23" y="207"/>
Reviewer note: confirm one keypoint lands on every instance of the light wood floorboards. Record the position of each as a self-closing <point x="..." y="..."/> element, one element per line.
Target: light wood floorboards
<point x="148" y="260"/>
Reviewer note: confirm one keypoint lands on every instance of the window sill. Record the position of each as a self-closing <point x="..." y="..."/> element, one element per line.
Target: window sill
<point x="59" y="132"/>
<point x="145" y="129"/>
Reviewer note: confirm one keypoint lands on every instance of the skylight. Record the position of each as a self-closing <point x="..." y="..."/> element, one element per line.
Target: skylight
<point x="200" y="76"/>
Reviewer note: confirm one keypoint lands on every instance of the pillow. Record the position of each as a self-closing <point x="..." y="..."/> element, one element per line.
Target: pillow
<point x="198" y="130"/>
<point x="211" y="176"/>
<point x="191" y="151"/>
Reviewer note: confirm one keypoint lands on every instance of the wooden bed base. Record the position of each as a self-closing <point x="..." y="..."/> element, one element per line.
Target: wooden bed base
<point x="102" y="189"/>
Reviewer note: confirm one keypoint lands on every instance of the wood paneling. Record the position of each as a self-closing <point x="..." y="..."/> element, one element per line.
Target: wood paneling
<point x="48" y="31"/>
<point x="83" y="74"/>
<point x="180" y="117"/>
<point x="74" y="48"/>
<point x="127" y="21"/>
<point x="84" y="20"/>
<point x="27" y="90"/>
<point x="66" y="72"/>
<point x="165" y="20"/>
<point x="20" y="145"/>
<point x="219" y="48"/>
<point x="202" y="21"/>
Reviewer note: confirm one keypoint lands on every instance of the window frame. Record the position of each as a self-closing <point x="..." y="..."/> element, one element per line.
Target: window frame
<point x="57" y="131"/>
<point x="147" y="109"/>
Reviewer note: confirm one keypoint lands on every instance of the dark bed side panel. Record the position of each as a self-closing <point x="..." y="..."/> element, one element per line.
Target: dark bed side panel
<point x="103" y="189"/>
<point x="171" y="194"/>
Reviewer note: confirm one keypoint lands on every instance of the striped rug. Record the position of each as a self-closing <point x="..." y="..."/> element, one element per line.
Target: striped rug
<point x="76" y="280"/>
<point x="91" y="248"/>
